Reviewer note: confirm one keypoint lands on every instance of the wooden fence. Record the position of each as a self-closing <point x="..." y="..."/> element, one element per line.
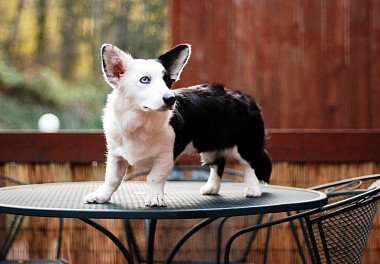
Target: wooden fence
<point x="310" y="64"/>
<point x="302" y="159"/>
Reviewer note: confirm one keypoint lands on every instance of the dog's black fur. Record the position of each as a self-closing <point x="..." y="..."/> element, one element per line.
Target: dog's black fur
<point x="214" y="119"/>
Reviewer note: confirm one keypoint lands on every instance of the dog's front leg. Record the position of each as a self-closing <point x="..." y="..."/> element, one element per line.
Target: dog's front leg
<point x="162" y="166"/>
<point x="115" y="171"/>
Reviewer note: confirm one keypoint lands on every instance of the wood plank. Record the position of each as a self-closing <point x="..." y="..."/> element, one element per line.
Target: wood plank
<point x="216" y="42"/>
<point x="174" y="21"/>
<point x="242" y="49"/>
<point x="283" y="145"/>
<point x="375" y="63"/>
<point x="310" y="63"/>
<point x="265" y="58"/>
<point x="324" y="145"/>
<point x="192" y="23"/>
<point x="358" y="95"/>
<point x="52" y="147"/>
<point x="290" y="105"/>
<point x="336" y="73"/>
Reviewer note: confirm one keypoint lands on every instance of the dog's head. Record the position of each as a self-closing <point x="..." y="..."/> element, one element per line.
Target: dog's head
<point x="145" y="84"/>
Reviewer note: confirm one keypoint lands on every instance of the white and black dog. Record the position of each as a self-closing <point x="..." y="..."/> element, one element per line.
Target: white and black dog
<point x="149" y="125"/>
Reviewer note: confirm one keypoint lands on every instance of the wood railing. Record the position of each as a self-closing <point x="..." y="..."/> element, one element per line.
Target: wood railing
<point x="283" y="145"/>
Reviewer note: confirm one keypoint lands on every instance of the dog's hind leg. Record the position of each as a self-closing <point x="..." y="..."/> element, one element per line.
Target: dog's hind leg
<point x="263" y="167"/>
<point x="259" y="169"/>
<point x="212" y="185"/>
<point x="252" y="185"/>
<point x="248" y="158"/>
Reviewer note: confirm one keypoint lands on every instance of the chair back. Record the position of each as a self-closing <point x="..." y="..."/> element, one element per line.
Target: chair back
<point x="339" y="232"/>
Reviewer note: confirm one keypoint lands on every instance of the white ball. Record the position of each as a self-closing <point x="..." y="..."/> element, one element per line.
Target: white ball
<point x="48" y="123"/>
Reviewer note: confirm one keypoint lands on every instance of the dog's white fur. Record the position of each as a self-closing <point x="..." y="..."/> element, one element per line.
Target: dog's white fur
<point x="137" y="132"/>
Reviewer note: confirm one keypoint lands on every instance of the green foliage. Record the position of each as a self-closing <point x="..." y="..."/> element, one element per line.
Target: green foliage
<point x="25" y="97"/>
<point x="147" y="28"/>
<point x="9" y="76"/>
<point x="49" y="55"/>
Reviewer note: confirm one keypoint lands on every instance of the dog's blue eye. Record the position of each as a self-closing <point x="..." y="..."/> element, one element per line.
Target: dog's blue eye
<point x="145" y="80"/>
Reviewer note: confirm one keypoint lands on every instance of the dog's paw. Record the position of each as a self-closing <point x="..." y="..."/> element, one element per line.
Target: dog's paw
<point x="97" y="197"/>
<point x="155" y="200"/>
<point x="209" y="189"/>
<point x="254" y="191"/>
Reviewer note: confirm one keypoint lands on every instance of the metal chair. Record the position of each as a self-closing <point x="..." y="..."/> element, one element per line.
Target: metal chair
<point x="10" y="226"/>
<point x="339" y="231"/>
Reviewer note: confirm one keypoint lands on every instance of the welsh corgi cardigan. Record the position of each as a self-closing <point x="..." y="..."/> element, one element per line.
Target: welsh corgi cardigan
<point x="148" y="125"/>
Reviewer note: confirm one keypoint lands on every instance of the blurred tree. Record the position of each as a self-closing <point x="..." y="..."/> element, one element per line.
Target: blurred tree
<point x="13" y="28"/>
<point x="121" y="23"/>
<point x="69" y="22"/>
<point x="96" y="15"/>
<point x="147" y="28"/>
<point x="53" y="48"/>
<point x="41" y="36"/>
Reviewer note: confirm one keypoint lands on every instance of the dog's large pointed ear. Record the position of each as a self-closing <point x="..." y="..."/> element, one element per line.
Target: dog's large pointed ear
<point x="114" y="63"/>
<point x="175" y="60"/>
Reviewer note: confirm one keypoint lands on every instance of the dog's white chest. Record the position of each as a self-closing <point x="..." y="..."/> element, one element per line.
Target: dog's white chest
<point x="140" y="150"/>
<point x="136" y="136"/>
<point x="135" y="153"/>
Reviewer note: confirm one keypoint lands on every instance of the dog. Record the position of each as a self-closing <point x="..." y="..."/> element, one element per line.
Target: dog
<point x="148" y="125"/>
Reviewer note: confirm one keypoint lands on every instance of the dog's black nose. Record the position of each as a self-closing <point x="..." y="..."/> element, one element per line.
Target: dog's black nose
<point x="169" y="99"/>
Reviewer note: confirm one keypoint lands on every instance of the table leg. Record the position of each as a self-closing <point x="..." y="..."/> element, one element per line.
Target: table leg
<point x="131" y="240"/>
<point x="111" y="236"/>
<point x="186" y="236"/>
<point x="152" y="223"/>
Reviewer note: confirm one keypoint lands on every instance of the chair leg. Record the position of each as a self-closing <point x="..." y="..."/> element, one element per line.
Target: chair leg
<point x="267" y="238"/>
<point x="219" y="239"/>
<point x="296" y="237"/>
<point x="17" y="222"/>
<point x="298" y="241"/>
<point x="251" y="239"/>
<point x="308" y="242"/>
<point x="59" y="239"/>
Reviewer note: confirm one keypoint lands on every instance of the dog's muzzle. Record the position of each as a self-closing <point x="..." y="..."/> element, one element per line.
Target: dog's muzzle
<point x="169" y="100"/>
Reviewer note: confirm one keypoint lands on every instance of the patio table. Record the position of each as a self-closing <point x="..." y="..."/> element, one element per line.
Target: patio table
<point x="182" y="198"/>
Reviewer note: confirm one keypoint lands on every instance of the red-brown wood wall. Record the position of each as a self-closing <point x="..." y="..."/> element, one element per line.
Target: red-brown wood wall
<point x="310" y="64"/>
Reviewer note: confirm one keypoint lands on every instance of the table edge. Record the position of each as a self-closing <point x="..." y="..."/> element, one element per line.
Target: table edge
<point x="160" y="212"/>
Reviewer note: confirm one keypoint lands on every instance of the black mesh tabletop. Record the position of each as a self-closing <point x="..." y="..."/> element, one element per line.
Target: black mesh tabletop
<point x="183" y="200"/>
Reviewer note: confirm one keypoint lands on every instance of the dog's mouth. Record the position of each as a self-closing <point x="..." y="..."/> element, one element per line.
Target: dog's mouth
<point x="161" y="109"/>
<point x="166" y="108"/>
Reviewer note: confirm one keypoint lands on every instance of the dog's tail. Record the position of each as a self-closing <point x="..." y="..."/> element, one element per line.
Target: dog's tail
<point x="263" y="167"/>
